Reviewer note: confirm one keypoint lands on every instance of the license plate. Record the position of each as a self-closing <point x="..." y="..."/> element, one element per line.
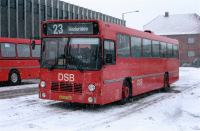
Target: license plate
<point x="61" y="97"/>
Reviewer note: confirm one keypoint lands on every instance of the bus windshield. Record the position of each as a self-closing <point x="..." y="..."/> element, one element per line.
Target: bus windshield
<point x="71" y="53"/>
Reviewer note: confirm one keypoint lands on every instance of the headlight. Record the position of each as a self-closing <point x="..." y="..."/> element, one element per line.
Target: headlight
<point x="43" y="84"/>
<point x="91" y="87"/>
<point x="43" y="95"/>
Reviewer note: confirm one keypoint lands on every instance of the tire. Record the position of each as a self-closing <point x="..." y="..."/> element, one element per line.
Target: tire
<point x="14" y="78"/>
<point x="166" y="85"/>
<point x="126" y="92"/>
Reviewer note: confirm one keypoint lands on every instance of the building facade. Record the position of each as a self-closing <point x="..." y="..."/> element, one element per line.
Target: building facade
<point x="183" y="27"/>
<point x="189" y="49"/>
<point x="22" y="18"/>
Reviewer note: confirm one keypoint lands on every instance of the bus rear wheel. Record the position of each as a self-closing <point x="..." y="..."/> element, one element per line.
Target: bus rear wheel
<point x="166" y="86"/>
<point x="126" y="92"/>
<point x="14" y="78"/>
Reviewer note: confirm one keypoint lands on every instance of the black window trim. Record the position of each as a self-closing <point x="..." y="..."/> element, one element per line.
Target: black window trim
<point x="115" y="47"/>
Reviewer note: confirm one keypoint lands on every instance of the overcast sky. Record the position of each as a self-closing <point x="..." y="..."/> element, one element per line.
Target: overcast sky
<point x="149" y="9"/>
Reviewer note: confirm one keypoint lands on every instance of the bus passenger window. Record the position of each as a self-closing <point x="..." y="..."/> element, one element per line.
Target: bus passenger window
<point x="123" y="45"/>
<point x="109" y="52"/>
<point x="36" y="51"/>
<point x="136" y="47"/>
<point x="169" y="50"/>
<point x="155" y="49"/>
<point x="163" y="49"/>
<point x="8" y="50"/>
<point x="146" y="48"/>
<point x="175" y="51"/>
<point x="23" y="50"/>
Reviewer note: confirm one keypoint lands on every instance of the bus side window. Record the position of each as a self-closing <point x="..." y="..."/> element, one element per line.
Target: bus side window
<point x="175" y="51"/>
<point x="155" y="49"/>
<point x="8" y="50"/>
<point x="109" y="52"/>
<point x="163" y="49"/>
<point x="23" y="50"/>
<point x="36" y="51"/>
<point x="147" y="48"/>
<point x="123" y="45"/>
<point x="169" y="50"/>
<point x="136" y="47"/>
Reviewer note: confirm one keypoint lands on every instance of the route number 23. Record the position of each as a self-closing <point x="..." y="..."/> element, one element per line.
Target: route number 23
<point x="57" y="29"/>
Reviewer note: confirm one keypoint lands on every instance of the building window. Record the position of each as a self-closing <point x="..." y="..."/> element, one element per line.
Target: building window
<point x="191" y="53"/>
<point x="36" y="8"/>
<point x="66" y="15"/>
<point x="55" y="13"/>
<point x="13" y="4"/>
<point x="28" y="6"/>
<point x="43" y="13"/>
<point x="49" y="12"/>
<point x="60" y="14"/>
<point x="4" y="3"/>
<point x="191" y="40"/>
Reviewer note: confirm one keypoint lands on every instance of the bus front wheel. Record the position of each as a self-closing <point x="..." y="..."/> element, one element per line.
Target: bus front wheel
<point x="14" y="78"/>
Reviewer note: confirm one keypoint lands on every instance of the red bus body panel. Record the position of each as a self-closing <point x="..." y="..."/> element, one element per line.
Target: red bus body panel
<point x="147" y="74"/>
<point x="28" y="68"/>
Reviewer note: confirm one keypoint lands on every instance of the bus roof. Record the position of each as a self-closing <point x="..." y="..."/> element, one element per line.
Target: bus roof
<point x="133" y="32"/>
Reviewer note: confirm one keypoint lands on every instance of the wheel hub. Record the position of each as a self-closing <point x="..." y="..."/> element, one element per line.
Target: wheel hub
<point x="125" y="92"/>
<point x="14" y="77"/>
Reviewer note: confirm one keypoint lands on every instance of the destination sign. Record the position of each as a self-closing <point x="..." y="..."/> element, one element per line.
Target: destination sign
<point x="71" y="28"/>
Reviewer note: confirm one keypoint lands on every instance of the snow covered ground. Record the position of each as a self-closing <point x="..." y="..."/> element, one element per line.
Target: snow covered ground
<point x="158" y="112"/>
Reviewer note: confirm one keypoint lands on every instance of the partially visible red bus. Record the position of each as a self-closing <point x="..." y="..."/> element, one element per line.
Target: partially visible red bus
<point x="18" y="60"/>
<point x="92" y="62"/>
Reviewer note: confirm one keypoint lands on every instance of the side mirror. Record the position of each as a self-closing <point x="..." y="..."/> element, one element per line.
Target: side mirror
<point x="33" y="44"/>
<point x="108" y="59"/>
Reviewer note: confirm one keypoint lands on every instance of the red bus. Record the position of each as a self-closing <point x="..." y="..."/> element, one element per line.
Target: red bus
<point x="18" y="60"/>
<point x="92" y="62"/>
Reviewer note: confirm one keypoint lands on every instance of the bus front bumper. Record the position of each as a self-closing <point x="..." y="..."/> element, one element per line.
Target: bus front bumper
<point x="73" y="98"/>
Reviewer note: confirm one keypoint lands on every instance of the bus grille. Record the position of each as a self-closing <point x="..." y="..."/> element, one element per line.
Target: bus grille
<point x="66" y="87"/>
